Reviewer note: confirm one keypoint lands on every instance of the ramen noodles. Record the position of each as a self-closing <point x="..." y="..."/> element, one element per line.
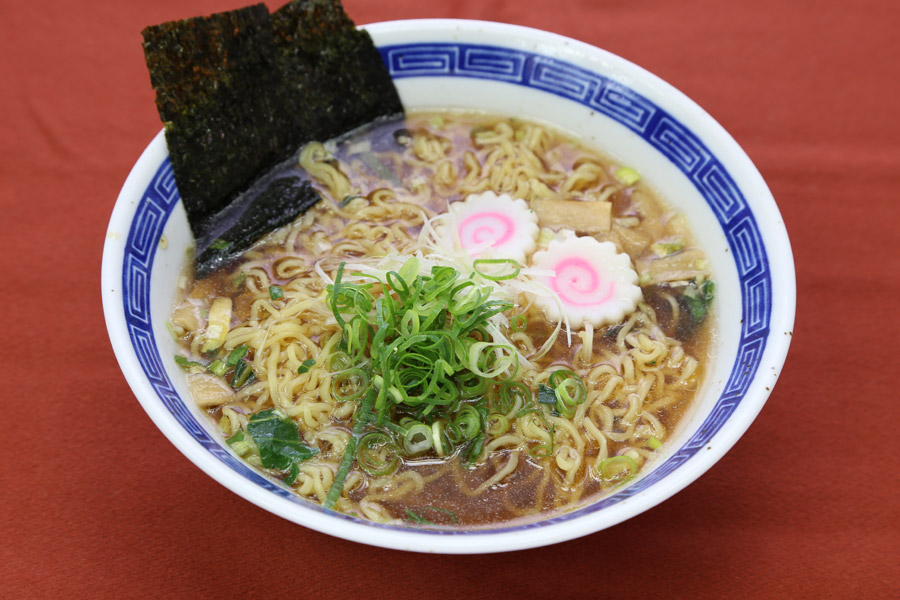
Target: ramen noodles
<point x="482" y="321"/>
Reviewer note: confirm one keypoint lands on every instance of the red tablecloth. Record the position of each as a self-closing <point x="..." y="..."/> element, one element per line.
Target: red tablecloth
<point x="95" y="502"/>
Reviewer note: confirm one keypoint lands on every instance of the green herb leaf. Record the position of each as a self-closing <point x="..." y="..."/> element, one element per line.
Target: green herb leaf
<point x="546" y="394"/>
<point x="278" y="440"/>
<point x="292" y="476"/>
<point x="238" y="437"/>
<point x="187" y="364"/>
<point x="698" y="298"/>
<point x="275" y="292"/>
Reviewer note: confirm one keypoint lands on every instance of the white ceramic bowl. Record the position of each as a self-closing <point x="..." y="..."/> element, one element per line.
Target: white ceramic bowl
<point x="605" y="100"/>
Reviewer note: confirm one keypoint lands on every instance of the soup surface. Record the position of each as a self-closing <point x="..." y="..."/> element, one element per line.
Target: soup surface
<point x="369" y="359"/>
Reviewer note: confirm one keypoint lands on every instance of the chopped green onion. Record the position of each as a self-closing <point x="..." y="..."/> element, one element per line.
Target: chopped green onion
<point x="362" y="417"/>
<point x="243" y="374"/>
<point x="654" y="444"/>
<point x="449" y="513"/>
<point x="378" y="454"/>
<point x="349" y="384"/>
<point x="618" y="468"/>
<point x="275" y="292"/>
<point x="471" y="385"/>
<point x="418" y="345"/>
<point x="512" y="396"/>
<point x="468" y="420"/>
<point x="511" y="272"/>
<point x="410" y="269"/>
<point x="220" y="244"/>
<point x="519" y="322"/>
<point x="306" y="366"/>
<point x="339" y="361"/>
<point x="497" y="424"/>
<point x="218" y="367"/>
<point x="419" y="518"/>
<point x="235" y="356"/>
<point x="489" y="360"/>
<point x="416" y="518"/>
<point x="461" y="303"/>
<point x="570" y="391"/>
<point x="237" y="437"/>
<point x="473" y="452"/>
<point x="417" y="439"/>
<point x="188" y="364"/>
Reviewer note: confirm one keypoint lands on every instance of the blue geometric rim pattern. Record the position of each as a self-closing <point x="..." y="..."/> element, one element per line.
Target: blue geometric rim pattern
<point x="657" y="127"/>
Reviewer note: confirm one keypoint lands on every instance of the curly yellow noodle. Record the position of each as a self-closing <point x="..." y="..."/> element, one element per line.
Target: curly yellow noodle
<point x="509" y="440"/>
<point x="635" y="374"/>
<point x="501" y="474"/>
<point x="374" y="511"/>
<point x="314" y="480"/>
<point x="313" y="158"/>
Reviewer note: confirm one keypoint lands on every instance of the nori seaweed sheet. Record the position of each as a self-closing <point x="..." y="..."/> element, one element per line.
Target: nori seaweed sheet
<point x="240" y="92"/>
<point x="322" y="55"/>
<point x="206" y="72"/>
<point x="277" y="201"/>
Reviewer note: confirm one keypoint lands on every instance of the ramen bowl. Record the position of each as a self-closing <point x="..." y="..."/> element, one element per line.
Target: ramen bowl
<point x="605" y="102"/>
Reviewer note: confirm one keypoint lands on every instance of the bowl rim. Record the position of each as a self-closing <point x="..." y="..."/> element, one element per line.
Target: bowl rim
<point x="474" y="541"/>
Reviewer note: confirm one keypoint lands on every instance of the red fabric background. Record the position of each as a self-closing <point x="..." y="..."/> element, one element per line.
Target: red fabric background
<point x="95" y="502"/>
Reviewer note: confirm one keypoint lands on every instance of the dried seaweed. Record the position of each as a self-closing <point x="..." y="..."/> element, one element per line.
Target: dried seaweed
<point x="272" y="202"/>
<point x="240" y="92"/>
<point x="218" y="129"/>
<point x="319" y="49"/>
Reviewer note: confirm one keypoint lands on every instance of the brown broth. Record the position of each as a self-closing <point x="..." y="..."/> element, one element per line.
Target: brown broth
<point x="536" y="487"/>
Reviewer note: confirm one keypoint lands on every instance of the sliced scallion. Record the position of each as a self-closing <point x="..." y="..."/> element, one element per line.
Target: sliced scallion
<point x="218" y="367"/>
<point x="417" y="439"/>
<point x="243" y="374"/>
<point x="497" y="269"/>
<point x="188" y="364"/>
<point x="377" y="454"/>
<point x="518" y="323"/>
<point x="349" y="384"/>
<point x="235" y="356"/>
<point x="618" y="469"/>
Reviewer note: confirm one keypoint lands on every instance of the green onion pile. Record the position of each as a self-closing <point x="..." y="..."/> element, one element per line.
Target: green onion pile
<point x="416" y="352"/>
